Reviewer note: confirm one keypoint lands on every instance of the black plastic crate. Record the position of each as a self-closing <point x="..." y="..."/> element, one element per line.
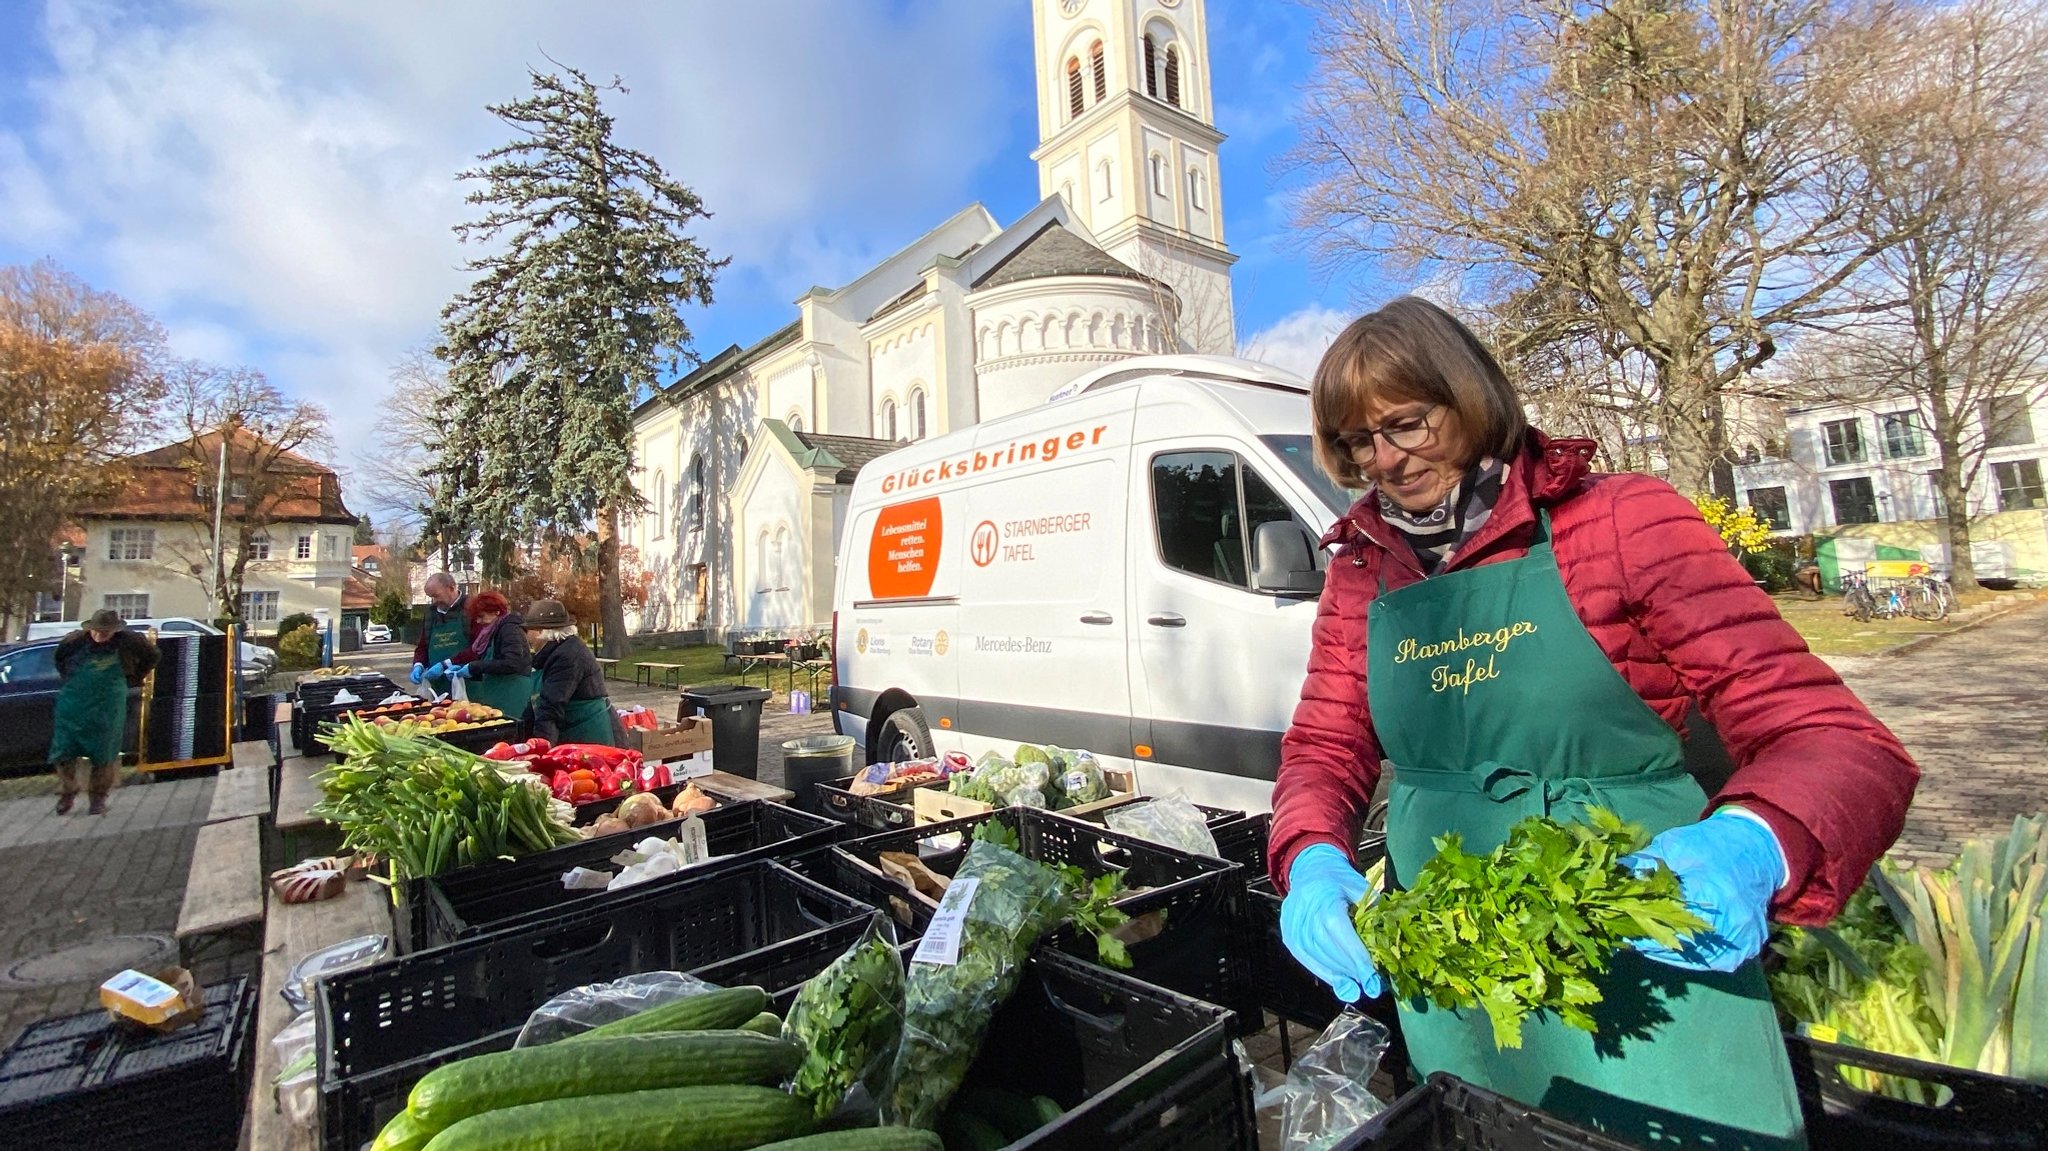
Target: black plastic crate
<point x="1980" y="1113"/>
<point x="1240" y="838"/>
<point x="1285" y="987"/>
<point x="82" y="1081"/>
<point x="1138" y="1067"/>
<point x="354" y="1108"/>
<point x="409" y="1007"/>
<point x="312" y="704"/>
<point x="1448" y="1114"/>
<point x="588" y="813"/>
<point x="882" y="811"/>
<point x="496" y="895"/>
<point x="1200" y="951"/>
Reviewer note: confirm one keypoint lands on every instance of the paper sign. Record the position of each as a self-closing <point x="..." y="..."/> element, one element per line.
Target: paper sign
<point x="941" y="942"/>
<point x="691" y="842"/>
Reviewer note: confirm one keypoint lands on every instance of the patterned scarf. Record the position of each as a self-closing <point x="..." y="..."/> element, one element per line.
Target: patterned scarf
<point x="1437" y="532"/>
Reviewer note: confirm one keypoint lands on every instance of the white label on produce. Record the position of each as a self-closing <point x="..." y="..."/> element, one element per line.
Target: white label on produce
<point x="691" y="841"/>
<point x="941" y="942"/>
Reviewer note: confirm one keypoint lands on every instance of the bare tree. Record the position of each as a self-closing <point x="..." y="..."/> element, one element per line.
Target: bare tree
<point x="78" y="374"/>
<point x="1674" y="176"/>
<point x="236" y="417"/>
<point x="399" y="476"/>
<point x="1959" y="315"/>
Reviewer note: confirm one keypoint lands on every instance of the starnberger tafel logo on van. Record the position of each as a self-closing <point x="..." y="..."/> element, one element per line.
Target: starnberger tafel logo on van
<point x="860" y="641"/>
<point x="1024" y="451"/>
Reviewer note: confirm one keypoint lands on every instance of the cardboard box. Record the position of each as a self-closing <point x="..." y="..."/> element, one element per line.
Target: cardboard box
<point x="672" y="741"/>
<point x="936" y="804"/>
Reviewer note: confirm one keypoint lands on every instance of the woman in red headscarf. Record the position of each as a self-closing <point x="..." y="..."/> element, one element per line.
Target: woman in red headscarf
<point x="497" y="664"/>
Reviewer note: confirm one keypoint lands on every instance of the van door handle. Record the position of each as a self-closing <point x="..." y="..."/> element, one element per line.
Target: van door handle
<point x="1098" y="617"/>
<point x="1167" y="619"/>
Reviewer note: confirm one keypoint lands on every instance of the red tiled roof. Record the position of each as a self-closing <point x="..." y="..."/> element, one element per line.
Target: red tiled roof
<point x="358" y="591"/>
<point x="160" y="486"/>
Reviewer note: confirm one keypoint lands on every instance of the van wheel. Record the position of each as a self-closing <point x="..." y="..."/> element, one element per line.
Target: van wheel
<point x="904" y="736"/>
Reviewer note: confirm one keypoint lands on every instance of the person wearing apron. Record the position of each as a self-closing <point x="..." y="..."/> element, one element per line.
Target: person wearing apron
<point x="496" y="667"/>
<point x="1510" y="635"/>
<point x="569" y="700"/>
<point x="97" y="664"/>
<point x="443" y="634"/>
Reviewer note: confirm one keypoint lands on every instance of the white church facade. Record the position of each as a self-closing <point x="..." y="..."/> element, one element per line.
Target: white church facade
<point x="746" y="462"/>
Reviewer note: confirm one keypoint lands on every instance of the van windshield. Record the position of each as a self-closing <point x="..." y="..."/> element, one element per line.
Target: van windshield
<point x="1298" y="453"/>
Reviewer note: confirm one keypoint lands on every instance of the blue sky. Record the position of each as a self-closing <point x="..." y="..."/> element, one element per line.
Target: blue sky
<point x="275" y="181"/>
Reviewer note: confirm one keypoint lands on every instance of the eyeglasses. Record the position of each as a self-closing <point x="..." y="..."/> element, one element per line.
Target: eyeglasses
<point x="1406" y="434"/>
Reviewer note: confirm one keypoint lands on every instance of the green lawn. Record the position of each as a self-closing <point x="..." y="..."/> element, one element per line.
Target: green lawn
<point x="702" y="663"/>
<point x="1828" y="632"/>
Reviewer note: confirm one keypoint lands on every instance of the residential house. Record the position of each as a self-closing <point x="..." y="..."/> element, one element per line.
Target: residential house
<point x="1861" y="478"/>
<point x="147" y="551"/>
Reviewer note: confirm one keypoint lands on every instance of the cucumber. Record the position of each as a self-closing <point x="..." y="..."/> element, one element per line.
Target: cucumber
<point x="1010" y="1113"/>
<point x="864" y="1139"/>
<point x="766" y="1023"/>
<point x="673" y="1119"/>
<point x="1047" y="1109"/>
<point x="403" y="1133"/>
<point x="728" y="1007"/>
<point x="963" y="1132"/>
<point x="613" y="1066"/>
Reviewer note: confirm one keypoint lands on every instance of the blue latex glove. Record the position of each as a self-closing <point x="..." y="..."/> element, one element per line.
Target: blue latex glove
<point x="457" y="670"/>
<point x="1729" y="865"/>
<point x="419" y="672"/>
<point x="1315" y="922"/>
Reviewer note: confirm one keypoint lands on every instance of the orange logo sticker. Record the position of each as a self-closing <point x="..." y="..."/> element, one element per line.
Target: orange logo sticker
<point x="903" y="555"/>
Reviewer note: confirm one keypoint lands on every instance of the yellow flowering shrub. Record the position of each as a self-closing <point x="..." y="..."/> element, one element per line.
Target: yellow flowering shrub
<point x="1740" y="529"/>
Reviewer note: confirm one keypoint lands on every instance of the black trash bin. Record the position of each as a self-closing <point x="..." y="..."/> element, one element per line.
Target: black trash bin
<point x="811" y="760"/>
<point x="735" y="711"/>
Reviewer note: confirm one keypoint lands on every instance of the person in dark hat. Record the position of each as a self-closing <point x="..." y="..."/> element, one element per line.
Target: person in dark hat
<point x="569" y="700"/>
<point x="98" y="664"/>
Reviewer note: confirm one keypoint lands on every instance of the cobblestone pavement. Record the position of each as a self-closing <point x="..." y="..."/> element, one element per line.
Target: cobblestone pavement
<point x="70" y="879"/>
<point x="1973" y="710"/>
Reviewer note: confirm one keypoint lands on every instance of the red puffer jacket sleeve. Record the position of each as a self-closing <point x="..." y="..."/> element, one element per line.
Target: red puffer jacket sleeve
<point x="1329" y="758"/>
<point x="1832" y="781"/>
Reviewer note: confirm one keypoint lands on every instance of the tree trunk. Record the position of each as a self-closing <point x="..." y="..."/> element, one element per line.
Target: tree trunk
<point x="1955" y="505"/>
<point x="611" y="606"/>
<point x="1688" y="449"/>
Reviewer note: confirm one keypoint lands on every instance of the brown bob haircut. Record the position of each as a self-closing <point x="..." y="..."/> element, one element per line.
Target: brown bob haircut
<point x="487" y="603"/>
<point x="1412" y="351"/>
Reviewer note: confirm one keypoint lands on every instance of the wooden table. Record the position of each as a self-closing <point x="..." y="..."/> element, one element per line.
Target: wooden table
<point x="291" y="932"/>
<point x="725" y="785"/>
<point x="299" y="834"/>
<point x="770" y="661"/>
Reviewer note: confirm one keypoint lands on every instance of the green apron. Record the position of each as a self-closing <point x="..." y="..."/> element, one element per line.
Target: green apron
<point x="583" y="720"/>
<point x="1493" y="703"/>
<point x="445" y="638"/>
<point x="508" y="693"/>
<point x="92" y="710"/>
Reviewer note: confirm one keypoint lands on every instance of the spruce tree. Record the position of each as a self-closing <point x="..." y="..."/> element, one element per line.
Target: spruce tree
<point x="571" y="316"/>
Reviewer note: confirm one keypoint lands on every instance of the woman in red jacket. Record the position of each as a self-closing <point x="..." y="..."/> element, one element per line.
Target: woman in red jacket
<point x="1513" y="635"/>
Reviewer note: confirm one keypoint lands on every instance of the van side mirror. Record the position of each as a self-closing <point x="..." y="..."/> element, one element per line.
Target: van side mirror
<point x="1281" y="563"/>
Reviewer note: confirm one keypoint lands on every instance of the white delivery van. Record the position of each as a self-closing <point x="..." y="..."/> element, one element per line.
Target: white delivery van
<point x="1131" y="568"/>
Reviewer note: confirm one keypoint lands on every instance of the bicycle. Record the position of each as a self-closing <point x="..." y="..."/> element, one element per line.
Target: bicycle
<point x="1922" y="597"/>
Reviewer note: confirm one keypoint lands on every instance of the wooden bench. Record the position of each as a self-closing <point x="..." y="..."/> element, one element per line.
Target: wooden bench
<point x="605" y="666"/>
<point x="671" y="674"/>
<point x="244" y="789"/>
<point x="223" y="909"/>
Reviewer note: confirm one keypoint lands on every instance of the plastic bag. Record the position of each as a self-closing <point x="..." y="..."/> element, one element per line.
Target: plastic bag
<point x="966" y="967"/>
<point x="1324" y="1097"/>
<point x="1170" y="820"/>
<point x="349" y="954"/>
<point x="593" y="1005"/>
<point x="849" y="1017"/>
<point x="298" y="1077"/>
<point x="1025" y="797"/>
<point x="1077" y="776"/>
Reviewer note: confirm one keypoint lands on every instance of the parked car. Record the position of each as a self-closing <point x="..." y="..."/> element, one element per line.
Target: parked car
<point x="28" y="704"/>
<point x="257" y="661"/>
<point x="377" y="633"/>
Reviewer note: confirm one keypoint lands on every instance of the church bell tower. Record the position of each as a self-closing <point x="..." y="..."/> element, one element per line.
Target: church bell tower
<point x="1127" y="135"/>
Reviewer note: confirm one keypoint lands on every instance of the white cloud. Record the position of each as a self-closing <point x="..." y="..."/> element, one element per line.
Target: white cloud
<point x="286" y="172"/>
<point x="1296" y="341"/>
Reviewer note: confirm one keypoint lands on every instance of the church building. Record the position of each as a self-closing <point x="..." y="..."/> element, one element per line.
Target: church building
<point x="746" y="462"/>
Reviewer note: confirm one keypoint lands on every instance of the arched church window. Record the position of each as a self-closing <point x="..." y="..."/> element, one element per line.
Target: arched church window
<point x="795" y="422"/>
<point x="778" y="560"/>
<point x="697" y="495"/>
<point x="1073" y="86"/>
<point x="1103" y="177"/>
<point x="1151" y="66"/>
<point x="1198" y="192"/>
<point x="1067" y="192"/>
<point x="1101" y="70"/>
<point x="1172" y="71"/>
<point x="886" y="426"/>
<point x="762" y="580"/>
<point x="917" y="413"/>
<point x="660" y="503"/>
<point x="1159" y="181"/>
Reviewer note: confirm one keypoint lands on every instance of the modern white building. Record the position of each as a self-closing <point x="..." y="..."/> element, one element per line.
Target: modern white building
<point x="1850" y="469"/>
<point x="745" y="463"/>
